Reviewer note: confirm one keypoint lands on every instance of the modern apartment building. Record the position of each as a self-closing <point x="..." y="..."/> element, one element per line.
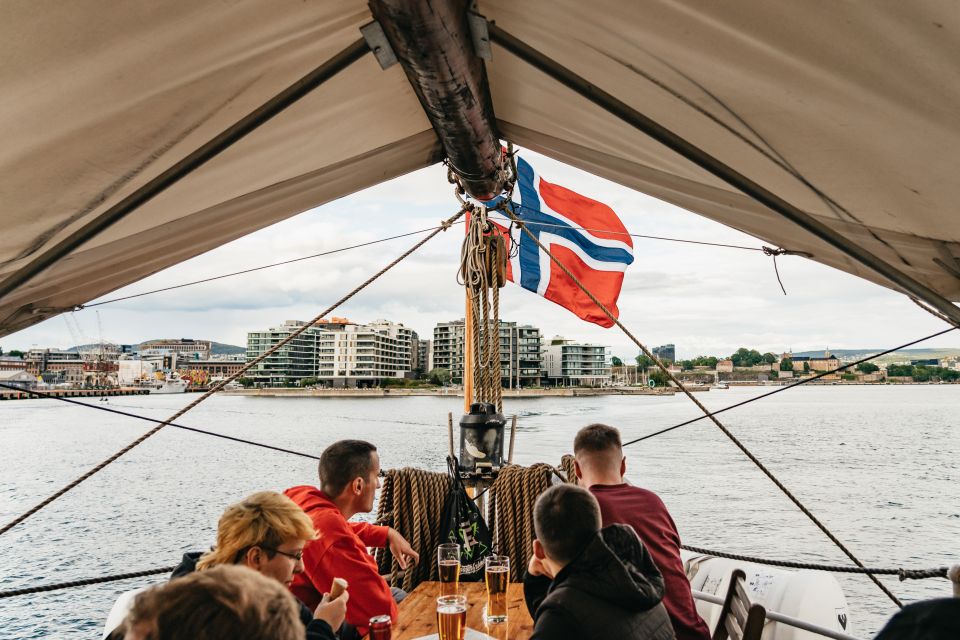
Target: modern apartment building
<point x="337" y="353"/>
<point x="424" y="362"/>
<point x="666" y="352"/>
<point x="571" y="364"/>
<point x="521" y="361"/>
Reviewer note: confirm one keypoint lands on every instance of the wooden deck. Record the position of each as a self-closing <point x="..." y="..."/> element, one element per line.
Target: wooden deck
<point x="418" y="613"/>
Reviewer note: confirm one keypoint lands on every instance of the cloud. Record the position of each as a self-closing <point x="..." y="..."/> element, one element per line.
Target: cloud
<point x="706" y="300"/>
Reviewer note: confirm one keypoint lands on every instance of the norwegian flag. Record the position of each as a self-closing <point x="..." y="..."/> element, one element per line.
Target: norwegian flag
<point x="586" y="236"/>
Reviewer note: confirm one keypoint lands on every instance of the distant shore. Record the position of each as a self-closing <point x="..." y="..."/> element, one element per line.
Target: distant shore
<point x="507" y="393"/>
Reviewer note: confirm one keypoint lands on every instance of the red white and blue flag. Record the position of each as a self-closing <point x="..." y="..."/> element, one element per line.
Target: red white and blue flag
<point x="586" y="236"/>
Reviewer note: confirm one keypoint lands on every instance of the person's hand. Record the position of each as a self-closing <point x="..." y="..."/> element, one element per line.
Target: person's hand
<point x="332" y="611"/>
<point x="535" y="567"/>
<point x="401" y="549"/>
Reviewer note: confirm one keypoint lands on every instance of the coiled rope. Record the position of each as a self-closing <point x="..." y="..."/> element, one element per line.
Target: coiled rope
<point x="816" y="521"/>
<point x="412" y="501"/>
<point x="510" y="511"/>
<point x="220" y="385"/>
<point x="479" y="257"/>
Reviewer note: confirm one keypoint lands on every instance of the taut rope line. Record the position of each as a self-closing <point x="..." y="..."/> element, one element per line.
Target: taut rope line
<point x="790" y="386"/>
<point x="706" y="412"/>
<point x="100" y="407"/>
<point x="903" y="574"/>
<point x="85" y="582"/>
<point x="253" y="269"/>
<point x="217" y="387"/>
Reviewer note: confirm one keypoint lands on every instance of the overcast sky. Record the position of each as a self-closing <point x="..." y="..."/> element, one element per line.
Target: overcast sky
<point x="706" y="300"/>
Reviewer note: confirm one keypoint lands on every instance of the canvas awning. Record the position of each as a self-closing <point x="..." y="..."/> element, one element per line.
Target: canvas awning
<point x="846" y="110"/>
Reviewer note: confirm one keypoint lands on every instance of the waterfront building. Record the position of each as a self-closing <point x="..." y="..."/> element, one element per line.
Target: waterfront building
<point x="724" y="366"/>
<point x="666" y="353"/>
<point x="521" y="358"/>
<point x="17" y="378"/>
<point x="335" y="352"/>
<point x="185" y="348"/>
<point x="11" y="363"/>
<point x="424" y="356"/>
<point x="56" y="366"/>
<point x="826" y="363"/>
<point x="569" y="363"/>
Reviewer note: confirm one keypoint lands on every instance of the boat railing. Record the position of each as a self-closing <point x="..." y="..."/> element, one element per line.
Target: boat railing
<point x="784" y="619"/>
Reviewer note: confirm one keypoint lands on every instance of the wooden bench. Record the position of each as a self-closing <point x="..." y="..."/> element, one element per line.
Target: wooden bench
<point x="739" y="619"/>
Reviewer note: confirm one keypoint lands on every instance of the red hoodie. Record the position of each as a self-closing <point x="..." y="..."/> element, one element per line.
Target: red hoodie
<point x="340" y="551"/>
<point x="645" y="512"/>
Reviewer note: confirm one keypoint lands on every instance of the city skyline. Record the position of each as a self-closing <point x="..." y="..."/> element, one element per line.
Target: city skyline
<point x="706" y="300"/>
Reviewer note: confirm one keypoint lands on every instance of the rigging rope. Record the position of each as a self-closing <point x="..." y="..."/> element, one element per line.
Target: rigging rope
<point x="85" y="582"/>
<point x="47" y="395"/>
<point x="252" y="269"/>
<point x="789" y="386"/>
<point x="903" y="574"/>
<point x="700" y="405"/>
<point x="220" y="385"/>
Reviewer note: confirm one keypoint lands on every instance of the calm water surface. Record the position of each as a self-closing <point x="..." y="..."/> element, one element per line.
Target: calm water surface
<point x="879" y="465"/>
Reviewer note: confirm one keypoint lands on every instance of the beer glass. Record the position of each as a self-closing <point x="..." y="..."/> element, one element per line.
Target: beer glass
<point x="452" y="617"/>
<point x="497" y="576"/>
<point x="448" y="564"/>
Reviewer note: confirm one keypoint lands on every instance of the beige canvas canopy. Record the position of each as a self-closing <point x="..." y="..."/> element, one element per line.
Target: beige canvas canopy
<point x="847" y="110"/>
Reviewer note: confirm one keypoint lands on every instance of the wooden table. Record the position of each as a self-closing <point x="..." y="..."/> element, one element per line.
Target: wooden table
<point x="418" y="612"/>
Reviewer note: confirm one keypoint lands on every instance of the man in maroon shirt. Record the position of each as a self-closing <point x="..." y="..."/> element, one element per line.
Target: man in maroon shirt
<point x="600" y="467"/>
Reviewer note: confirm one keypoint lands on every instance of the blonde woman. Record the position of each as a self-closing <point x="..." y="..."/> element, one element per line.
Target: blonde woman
<point x="266" y="532"/>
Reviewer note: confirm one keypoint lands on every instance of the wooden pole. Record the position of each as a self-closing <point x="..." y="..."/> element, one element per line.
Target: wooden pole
<point x="513" y="436"/>
<point x="450" y="433"/>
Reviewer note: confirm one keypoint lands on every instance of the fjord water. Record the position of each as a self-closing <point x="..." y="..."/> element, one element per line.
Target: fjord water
<point x="878" y="465"/>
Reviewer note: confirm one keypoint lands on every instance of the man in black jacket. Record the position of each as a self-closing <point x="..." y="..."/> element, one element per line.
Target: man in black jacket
<point x="585" y="582"/>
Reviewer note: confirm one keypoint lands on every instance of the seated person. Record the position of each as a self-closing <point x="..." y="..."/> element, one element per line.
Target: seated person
<point x="600" y="467"/>
<point x="587" y="582"/>
<point x="925" y="620"/>
<point x="267" y="532"/>
<point x="349" y="477"/>
<point x="223" y="603"/>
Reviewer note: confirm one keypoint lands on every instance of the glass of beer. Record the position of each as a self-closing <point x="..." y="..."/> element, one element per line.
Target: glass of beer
<point x="497" y="575"/>
<point x="452" y="617"/>
<point x="448" y="564"/>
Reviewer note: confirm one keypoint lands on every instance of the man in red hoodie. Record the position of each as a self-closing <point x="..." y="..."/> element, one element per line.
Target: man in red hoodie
<point x="349" y="477"/>
<point x="600" y="467"/>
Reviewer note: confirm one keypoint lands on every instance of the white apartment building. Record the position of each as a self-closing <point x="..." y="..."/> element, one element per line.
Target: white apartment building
<point x="571" y="364"/>
<point x="521" y="360"/>
<point x="337" y="353"/>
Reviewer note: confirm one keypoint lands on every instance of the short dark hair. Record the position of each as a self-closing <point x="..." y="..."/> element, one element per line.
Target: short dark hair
<point x="597" y="438"/>
<point x="565" y="518"/>
<point x="342" y="462"/>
